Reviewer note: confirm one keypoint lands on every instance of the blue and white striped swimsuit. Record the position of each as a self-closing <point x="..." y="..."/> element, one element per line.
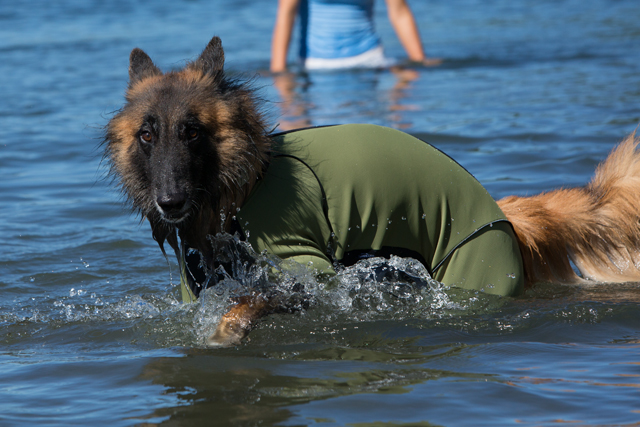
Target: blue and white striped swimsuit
<point x="336" y="28"/>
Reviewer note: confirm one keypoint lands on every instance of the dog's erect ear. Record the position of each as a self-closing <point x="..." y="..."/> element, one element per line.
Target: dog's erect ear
<point x="141" y="66"/>
<point x="212" y="59"/>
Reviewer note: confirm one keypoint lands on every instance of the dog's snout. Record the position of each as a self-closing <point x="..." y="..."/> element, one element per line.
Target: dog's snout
<point x="173" y="203"/>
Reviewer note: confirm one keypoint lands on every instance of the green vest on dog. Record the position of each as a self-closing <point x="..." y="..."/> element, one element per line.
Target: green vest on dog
<point x="347" y="192"/>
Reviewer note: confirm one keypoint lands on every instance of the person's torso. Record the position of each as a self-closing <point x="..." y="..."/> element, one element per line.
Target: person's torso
<point x="336" y="28"/>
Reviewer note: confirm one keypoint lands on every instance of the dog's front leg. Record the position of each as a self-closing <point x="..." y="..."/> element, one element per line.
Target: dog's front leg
<point x="238" y="321"/>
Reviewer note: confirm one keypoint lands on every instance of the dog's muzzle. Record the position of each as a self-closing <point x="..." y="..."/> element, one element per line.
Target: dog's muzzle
<point x="174" y="207"/>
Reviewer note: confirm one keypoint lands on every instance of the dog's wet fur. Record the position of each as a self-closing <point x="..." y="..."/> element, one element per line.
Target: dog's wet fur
<point x="188" y="146"/>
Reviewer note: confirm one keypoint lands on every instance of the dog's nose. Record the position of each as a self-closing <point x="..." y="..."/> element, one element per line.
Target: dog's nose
<point x="173" y="203"/>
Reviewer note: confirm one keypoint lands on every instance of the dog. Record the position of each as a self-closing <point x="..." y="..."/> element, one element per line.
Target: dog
<point x="193" y="153"/>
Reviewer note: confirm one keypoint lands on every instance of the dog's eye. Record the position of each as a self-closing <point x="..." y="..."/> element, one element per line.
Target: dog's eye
<point x="145" y="136"/>
<point x="192" y="133"/>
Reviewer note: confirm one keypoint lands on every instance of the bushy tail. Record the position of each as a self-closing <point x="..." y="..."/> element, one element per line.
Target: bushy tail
<point x="596" y="226"/>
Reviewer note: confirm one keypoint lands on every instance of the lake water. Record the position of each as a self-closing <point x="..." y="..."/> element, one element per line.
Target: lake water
<point x="531" y="96"/>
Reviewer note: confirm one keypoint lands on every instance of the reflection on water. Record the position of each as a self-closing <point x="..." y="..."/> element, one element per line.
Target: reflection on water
<point x="304" y="96"/>
<point x="311" y="383"/>
<point x="261" y="391"/>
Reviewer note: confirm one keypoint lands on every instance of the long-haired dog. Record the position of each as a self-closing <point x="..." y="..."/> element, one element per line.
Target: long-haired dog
<point x="189" y="146"/>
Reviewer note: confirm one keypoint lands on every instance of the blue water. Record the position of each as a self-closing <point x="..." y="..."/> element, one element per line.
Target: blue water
<point x="531" y="96"/>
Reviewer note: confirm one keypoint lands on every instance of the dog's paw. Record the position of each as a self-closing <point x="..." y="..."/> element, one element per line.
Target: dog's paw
<point x="238" y="321"/>
<point x="229" y="333"/>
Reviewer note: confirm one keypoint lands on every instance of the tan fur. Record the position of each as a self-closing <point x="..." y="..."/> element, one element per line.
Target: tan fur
<point x="141" y="87"/>
<point x="596" y="226"/>
<point x="124" y="128"/>
<point x="239" y="319"/>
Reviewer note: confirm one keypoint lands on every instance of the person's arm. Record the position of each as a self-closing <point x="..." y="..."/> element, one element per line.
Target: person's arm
<point x="285" y="18"/>
<point x="406" y="28"/>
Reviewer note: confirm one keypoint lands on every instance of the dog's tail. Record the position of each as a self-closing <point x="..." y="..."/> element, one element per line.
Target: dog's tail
<point x="596" y="226"/>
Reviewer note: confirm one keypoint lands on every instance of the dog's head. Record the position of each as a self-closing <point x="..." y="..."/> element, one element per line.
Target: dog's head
<point x="187" y="146"/>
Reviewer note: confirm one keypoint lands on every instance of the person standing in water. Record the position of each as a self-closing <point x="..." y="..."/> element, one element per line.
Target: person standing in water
<point x="341" y="34"/>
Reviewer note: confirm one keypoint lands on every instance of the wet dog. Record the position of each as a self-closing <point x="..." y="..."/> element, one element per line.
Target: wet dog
<point x="190" y="146"/>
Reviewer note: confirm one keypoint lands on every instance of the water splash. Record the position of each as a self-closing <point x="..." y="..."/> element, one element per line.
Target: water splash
<point x="390" y="288"/>
<point x="375" y="288"/>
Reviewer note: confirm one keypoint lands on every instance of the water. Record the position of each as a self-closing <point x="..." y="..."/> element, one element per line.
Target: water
<point x="532" y="95"/>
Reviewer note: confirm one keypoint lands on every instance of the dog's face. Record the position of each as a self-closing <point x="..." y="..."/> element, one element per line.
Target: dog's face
<point x="186" y="143"/>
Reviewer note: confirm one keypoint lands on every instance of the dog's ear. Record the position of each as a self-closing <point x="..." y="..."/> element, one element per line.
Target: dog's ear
<point x="141" y="67"/>
<point x="211" y="61"/>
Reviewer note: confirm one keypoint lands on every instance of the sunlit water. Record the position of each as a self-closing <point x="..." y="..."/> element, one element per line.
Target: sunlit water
<point x="531" y="96"/>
